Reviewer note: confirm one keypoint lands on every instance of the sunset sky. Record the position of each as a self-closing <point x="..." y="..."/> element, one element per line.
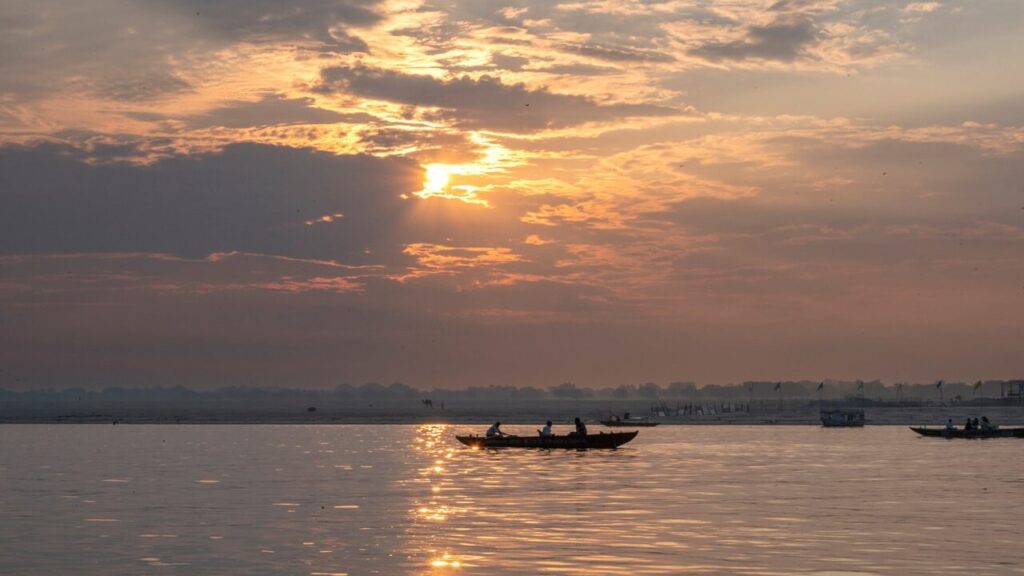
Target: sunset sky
<point x="477" y="192"/>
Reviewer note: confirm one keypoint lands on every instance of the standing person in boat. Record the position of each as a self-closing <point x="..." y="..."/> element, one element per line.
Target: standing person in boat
<point x="495" y="430"/>
<point x="581" y="428"/>
<point x="546" y="431"/>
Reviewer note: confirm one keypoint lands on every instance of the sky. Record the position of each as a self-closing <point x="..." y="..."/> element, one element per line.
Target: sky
<point x="495" y="192"/>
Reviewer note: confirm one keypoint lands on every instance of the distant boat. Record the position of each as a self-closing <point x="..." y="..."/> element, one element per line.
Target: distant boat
<point x="839" y="418"/>
<point x="961" y="433"/>
<point x="601" y="440"/>
<point x="630" y="422"/>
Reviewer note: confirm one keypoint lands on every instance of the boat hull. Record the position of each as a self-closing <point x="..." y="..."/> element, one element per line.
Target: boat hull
<point x="628" y="424"/>
<point x="602" y="440"/>
<point x="971" y="434"/>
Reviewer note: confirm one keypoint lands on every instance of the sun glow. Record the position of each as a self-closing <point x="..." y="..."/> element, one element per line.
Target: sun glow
<point x="437" y="183"/>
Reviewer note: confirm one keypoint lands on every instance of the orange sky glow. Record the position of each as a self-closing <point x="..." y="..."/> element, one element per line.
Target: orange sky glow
<point x="477" y="192"/>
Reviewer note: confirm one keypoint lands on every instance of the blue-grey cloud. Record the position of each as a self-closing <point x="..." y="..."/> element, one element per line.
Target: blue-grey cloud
<point x="247" y="197"/>
<point x="784" y="41"/>
<point x="486" y="102"/>
<point x="617" y="53"/>
<point x="139" y="51"/>
<point x="272" y="109"/>
<point x="269" y="21"/>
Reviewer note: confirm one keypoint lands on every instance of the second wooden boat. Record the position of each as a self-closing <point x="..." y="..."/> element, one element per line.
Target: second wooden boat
<point x="961" y="433"/>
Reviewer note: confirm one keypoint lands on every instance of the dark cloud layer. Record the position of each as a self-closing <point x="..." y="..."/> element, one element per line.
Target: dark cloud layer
<point x="484" y="103"/>
<point x="617" y="53"/>
<point x="248" y="197"/>
<point x="783" y="41"/>
<point x="140" y="51"/>
<point x="269" y="20"/>
<point x="272" y="109"/>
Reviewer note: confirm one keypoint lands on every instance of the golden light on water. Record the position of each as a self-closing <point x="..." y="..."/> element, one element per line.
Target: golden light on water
<point x="445" y="561"/>
<point x="432" y="509"/>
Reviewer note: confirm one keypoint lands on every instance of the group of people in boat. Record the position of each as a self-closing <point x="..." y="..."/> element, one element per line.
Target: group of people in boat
<point x="581" y="430"/>
<point x="973" y="425"/>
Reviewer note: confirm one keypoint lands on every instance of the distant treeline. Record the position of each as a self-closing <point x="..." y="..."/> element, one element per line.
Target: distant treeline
<point x="759" y="390"/>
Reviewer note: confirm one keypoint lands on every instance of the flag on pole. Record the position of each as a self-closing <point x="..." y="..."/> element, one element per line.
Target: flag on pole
<point x="778" y="385"/>
<point x="860" y="384"/>
<point x="820" y="386"/>
<point x="977" y="384"/>
<point x="938" y="384"/>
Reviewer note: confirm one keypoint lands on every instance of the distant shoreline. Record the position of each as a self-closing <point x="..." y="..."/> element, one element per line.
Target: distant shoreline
<point x="561" y="415"/>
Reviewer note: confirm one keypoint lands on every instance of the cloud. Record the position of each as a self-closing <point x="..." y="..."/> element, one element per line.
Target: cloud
<point x="783" y="41"/>
<point x="617" y="53"/>
<point x="143" y="51"/>
<point x="483" y="103"/>
<point x="143" y="86"/>
<point x="247" y="197"/>
<point x="434" y="259"/>
<point x="921" y="7"/>
<point x="272" y="109"/>
<point x="270" y="21"/>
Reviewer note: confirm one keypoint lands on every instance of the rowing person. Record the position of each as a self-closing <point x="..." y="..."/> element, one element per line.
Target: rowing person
<point x="546" y="431"/>
<point x="495" y="430"/>
<point x="581" y="428"/>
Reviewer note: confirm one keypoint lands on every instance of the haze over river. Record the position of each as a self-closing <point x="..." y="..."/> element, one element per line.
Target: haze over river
<point x="405" y="499"/>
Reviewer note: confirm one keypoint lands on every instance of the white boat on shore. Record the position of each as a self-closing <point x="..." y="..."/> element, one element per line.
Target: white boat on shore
<point x="842" y="418"/>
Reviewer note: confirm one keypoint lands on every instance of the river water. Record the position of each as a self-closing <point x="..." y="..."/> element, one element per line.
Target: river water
<point x="320" y="500"/>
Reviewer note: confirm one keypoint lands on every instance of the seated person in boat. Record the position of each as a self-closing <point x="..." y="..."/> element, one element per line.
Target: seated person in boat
<point x="495" y="430"/>
<point x="546" y="431"/>
<point x="986" y="425"/>
<point x="976" y="425"/>
<point x="968" y="426"/>
<point x="950" y="425"/>
<point x="581" y="428"/>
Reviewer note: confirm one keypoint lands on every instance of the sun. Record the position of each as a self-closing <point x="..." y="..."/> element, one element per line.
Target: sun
<point x="438" y="177"/>
<point x="437" y="182"/>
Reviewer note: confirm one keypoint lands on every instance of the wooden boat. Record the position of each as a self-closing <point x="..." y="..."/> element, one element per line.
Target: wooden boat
<point x="839" y="418"/>
<point x="637" y="423"/>
<point x="600" y="440"/>
<point x="961" y="433"/>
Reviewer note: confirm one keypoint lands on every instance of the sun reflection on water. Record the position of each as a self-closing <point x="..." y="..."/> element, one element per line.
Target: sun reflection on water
<point x="432" y="509"/>
<point x="445" y="562"/>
